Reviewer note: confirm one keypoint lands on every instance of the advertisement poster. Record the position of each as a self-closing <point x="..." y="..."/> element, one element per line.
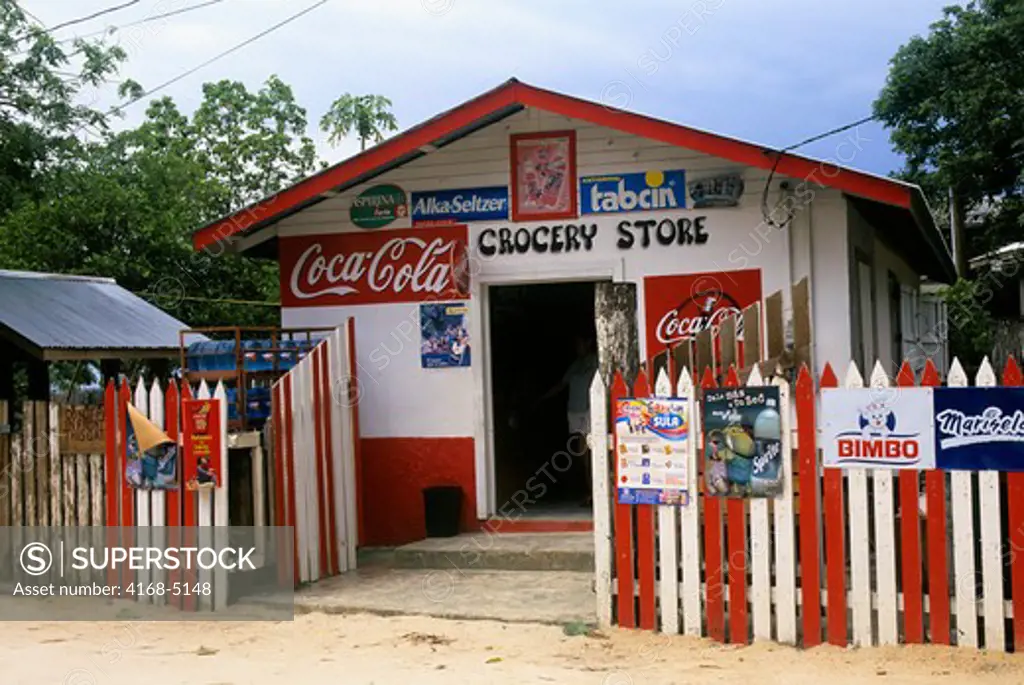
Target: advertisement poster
<point x="651" y="442"/>
<point x="877" y="428"/>
<point x="679" y="307"/>
<point x="444" y="331"/>
<point x="436" y="207"/>
<point x="152" y="455"/>
<point x="405" y="265"/>
<point x="378" y="206"/>
<point x="717" y="191"/>
<point x="202" y="431"/>
<point x="979" y="428"/>
<point x="742" y="442"/>
<point x="543" y="176"/>
<point x="636" y="192"/>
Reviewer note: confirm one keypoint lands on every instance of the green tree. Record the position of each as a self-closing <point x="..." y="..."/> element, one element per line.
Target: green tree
<point x="369" y="116"/>
<point x="954" y="104"/>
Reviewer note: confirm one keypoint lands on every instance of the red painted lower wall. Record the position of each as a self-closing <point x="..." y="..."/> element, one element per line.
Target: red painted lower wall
<point x="394" y="472"/>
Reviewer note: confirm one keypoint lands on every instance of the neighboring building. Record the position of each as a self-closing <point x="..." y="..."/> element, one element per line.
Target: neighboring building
<point x="596" y="194"/>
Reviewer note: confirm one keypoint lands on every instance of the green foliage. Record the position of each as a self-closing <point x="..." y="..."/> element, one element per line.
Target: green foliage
<point x="971" y="326"/>
<point x="954" y="103"/>
<point x="369" y="116"/>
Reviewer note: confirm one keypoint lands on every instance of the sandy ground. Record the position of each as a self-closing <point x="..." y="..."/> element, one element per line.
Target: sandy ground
<point x="364" y="649"/>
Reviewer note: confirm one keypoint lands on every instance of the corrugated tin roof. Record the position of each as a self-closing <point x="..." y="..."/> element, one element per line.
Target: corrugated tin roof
<point x="52" y="311"/>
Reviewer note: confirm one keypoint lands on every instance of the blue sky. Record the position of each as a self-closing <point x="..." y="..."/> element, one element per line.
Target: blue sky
<point x="767" y="72"/>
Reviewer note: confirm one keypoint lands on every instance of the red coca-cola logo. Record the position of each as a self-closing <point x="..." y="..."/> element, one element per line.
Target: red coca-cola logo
<point x="361" y="268"/>
<point x="679" y="307"/>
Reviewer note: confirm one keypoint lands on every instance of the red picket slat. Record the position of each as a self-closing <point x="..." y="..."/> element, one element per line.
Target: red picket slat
<point x="736" y="532"/>
<point x="173" y="498"/>
<point x="127" y="494"/>
<point x="623" y="530"/>
<point x="835" y="550"/>
<point x="189" y="521"/>
<point x="112" y="482"/>
<point x="280" y="504"/>
<point x="713" y="549"/>
<point x="645" y="540"/>
<point x="1015" y="526"/>
<point x="318" y="446"/>
<point x="289" y="455"/>
<point x="810" y="572"/>
<point x="910" y="540"/>
<point x="935" y="528"/>
<point x="188" y="497"/>
<point x="326" y="418"/>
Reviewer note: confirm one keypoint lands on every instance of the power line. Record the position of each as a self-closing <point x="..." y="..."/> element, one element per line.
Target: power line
<point x="218" y="56"/>
<point x="826" y="134"/>
<point x="80" y="20"/>
<point x="155" y="17"/>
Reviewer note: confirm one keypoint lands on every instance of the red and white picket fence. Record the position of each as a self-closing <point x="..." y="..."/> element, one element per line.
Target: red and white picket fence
<point x="314" y="428"/>
<point x="854" y="556"/>
<point x="150" y="511"/>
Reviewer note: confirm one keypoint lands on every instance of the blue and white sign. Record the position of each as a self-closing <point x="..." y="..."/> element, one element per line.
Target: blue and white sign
<point x="459" y="206"/>
<point x="638" y="192"/>
<point x="877" y="428"/>
<point x="980" y="428"/>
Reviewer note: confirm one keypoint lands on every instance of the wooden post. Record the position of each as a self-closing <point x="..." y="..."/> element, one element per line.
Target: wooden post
<point x="615" y="307"/>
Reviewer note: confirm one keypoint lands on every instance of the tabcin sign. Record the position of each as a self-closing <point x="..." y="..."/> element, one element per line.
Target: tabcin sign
<point x="436" y="207"/>
<point x="678" y="307"/>
<point x="980" y="428"/>
<point x="410" y="265"/>
<point x="651" y="445"/>
<point x="203" y="443"/>
<point x="877" y="428"/>
<point x="636" y="192"/>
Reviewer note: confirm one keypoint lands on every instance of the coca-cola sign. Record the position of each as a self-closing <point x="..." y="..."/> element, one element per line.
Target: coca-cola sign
<point x="679" y="307"/>
<point x="410" y="265"/>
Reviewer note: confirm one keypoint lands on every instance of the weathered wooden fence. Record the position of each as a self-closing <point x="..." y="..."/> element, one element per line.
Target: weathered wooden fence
<point x="314" y="438"/>
<point x="854" y="556"/>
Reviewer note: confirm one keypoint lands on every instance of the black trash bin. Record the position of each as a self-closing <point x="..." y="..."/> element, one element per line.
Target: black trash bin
<point x="442" y="510"/>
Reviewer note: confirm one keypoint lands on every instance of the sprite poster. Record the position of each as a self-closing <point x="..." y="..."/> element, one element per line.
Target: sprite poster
<point x="742" y="442"/>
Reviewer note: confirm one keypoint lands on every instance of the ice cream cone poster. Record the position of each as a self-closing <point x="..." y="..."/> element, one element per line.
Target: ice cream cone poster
<point x="742" y="442"/>
<point x="152" y="462"/>
<point x="203" y="443"/>
<point x="544" y="176"/>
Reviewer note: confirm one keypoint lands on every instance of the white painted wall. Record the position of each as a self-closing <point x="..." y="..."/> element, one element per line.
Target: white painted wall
<point x="403" y="400"/>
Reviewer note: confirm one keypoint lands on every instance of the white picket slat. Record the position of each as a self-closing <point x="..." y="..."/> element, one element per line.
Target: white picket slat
<point x="602" y="501"/>
<point x="142" y="498"/>
<point x="860" y="543"/>
<point x="220" y="503"/>
<point x="785" y="528"/>
<point x="689" y="516"/>
<point x="345" y="411"/>
<point x="760" y="552"/>
<point x="991" y="552"/>
<point x="885" y="539"/>
<point x="204" y="520"/>
<point x="157" y="501"/>
<point x="668" y="542"/>
<point x="964" y="573"/>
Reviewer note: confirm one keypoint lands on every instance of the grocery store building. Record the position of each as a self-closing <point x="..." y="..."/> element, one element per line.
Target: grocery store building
<point x="467" y="249"/>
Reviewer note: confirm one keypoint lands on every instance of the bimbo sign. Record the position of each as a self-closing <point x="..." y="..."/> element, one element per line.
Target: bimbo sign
<point x="364" y="268"/>
<point x="877" y="427"/>
<point x="678" y="307"/>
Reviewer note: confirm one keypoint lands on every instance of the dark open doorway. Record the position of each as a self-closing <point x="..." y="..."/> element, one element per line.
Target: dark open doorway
<point x="535" y="336"/>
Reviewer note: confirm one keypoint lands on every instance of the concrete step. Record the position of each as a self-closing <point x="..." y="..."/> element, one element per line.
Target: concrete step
<point x="505" y="552"/>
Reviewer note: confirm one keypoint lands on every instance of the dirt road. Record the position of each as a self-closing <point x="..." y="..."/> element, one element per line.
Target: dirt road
<point x="363" y="649"/>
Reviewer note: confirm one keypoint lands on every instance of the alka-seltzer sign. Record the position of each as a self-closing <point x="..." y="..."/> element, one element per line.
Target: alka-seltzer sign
<point x="979" y="428"/>
<point x="410" y="265"/>
<point x="651" y="451"/>
<point x="439" y="207"/>
<point x="877" y="427"/>
<point x="378" y="206"/>
<point x="742" y="442"/>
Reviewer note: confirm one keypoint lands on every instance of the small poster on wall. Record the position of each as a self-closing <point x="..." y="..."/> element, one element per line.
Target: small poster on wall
<point x="152" y="456"/>
<point x="651" y="451"/>
<point x="743" y="442"/>
<point x="444" y="331"/>
<point x="543" y="175"/>
<point x="202" y="431"/>
<point x="979" y="428"/>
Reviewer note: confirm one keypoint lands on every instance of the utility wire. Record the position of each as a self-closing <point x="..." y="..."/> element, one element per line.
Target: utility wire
<point x="80" y="20"/>
<point x="767" y="215"/>
<point x="221" y="55"/>
<point x="155" y="17"/>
